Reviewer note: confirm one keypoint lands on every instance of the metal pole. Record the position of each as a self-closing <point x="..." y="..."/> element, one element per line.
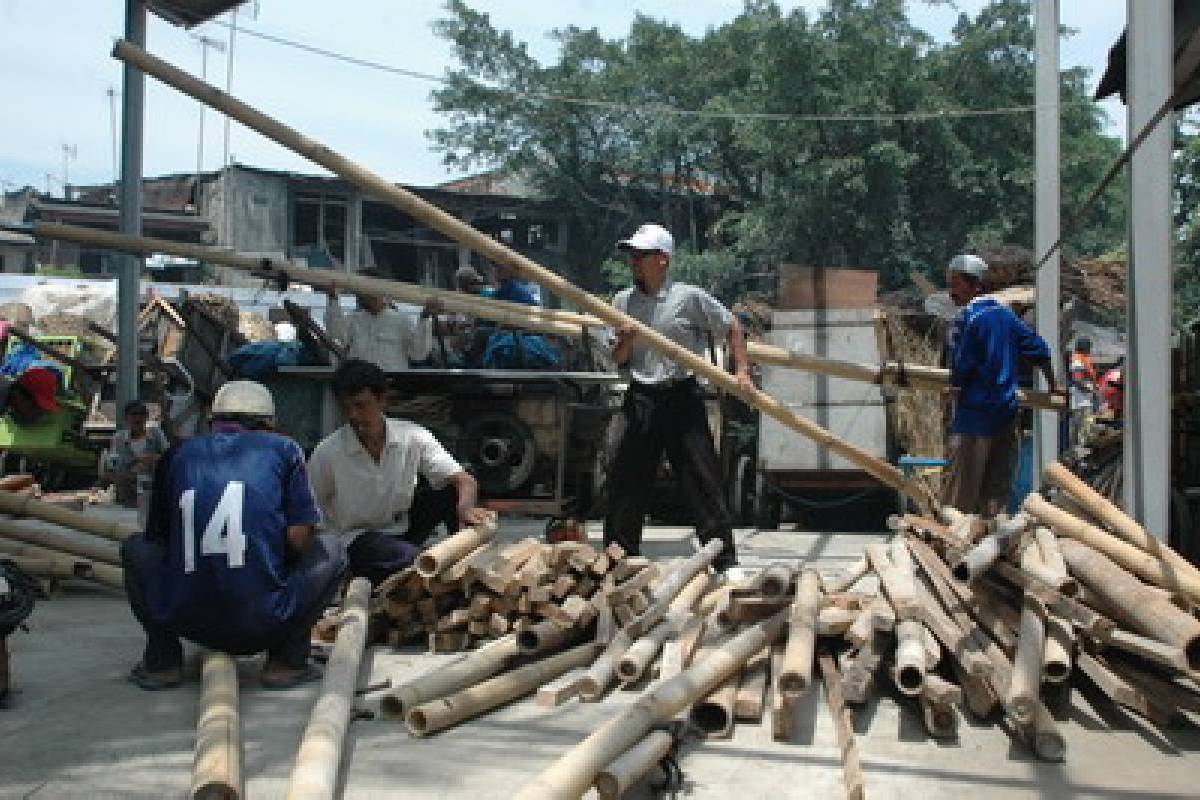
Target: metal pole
<point x="1149" y="293"/>
<point x="203" y="77"/>
<point x="129" y="275"/>
<point x="229" y="79"/>
<point x="1047" y="203"/>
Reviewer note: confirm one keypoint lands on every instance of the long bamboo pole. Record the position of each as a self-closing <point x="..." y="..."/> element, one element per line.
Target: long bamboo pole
<point x="461" y="232"/>
<point x="315" y="773"/>
<point x="217" y="765"/>
<point x="796" y="675"/>
<point x="19" y="505"/>
<point x="105" y="574"/>
<point x="474" y="667"/>
<point x="445" y="553"/>
<point x="571" y="775"/>
<point x="51" y="539"/>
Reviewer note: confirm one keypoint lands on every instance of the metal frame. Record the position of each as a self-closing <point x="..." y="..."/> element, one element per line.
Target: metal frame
<point x="1046" y="210"/>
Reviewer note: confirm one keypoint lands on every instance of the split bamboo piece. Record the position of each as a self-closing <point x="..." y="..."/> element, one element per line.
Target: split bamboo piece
<point x="890" y="373"/>
<point x="852" y="774"/>
<point x="105" y="574"/>
<point x="443" y="712"/>
<point x="629" y="768"/>
<point x="1060" y="636"/>
<point x="1026" y="681"/>
<point x="59" y="541"/>
<point x="1120" y="523"/>
<point x="217" y="767"/>
<point x="445" y="553"/>
<point x="494" y="250"/>
<point x="1146" y="612"/>
<point x="314" y="775"/>
<point x="476" y="666"/>
<point x="19" y="505"/>
<point x="1148" y="567"/>
<point x="796" y="676"/>
<point x="571" y="775"/>
<point x="641" y="653"/>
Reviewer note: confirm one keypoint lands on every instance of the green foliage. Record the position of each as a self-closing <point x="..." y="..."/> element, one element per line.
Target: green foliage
<point x="746" y="192"/>
<point x="50" y="271"/>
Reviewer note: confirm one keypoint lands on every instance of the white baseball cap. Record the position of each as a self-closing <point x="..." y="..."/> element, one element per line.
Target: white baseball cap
<point x="649" y="237"/>
<point x="974" y="266"/>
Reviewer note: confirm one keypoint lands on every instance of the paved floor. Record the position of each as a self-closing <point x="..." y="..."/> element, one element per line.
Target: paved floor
<point x="76" y="729"/>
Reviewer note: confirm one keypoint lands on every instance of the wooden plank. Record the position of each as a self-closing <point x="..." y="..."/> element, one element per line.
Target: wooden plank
<point x="1120" y="691"/>
<point x="852" y="775"/>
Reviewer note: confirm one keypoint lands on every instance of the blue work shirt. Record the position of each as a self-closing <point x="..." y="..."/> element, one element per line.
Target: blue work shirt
<point x="515" y="291"/>
<point x="222" y="504"/>
<point x="987" y="343"/>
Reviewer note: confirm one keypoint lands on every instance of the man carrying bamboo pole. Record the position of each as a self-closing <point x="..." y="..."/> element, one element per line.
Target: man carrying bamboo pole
<point x="987" y="343"/>
<point x="365" y="474"/>
<point x="664" y="409"/>
<point x="229" y="559"/>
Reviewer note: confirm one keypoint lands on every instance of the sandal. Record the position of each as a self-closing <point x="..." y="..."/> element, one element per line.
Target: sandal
<point x="291" y="679"/>
<point x="143" y="678"/>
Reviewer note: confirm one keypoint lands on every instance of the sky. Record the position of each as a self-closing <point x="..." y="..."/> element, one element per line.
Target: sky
<point x="57" y="72"/>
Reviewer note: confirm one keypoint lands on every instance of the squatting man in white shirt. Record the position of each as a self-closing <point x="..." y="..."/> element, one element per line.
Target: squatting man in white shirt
<point x="364" y="478"/>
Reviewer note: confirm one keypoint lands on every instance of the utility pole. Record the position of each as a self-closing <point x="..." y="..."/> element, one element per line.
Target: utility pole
<point x="205" y="43"/>
<point x="130" y="273"/>
<point x="229" y="77"/>
<point x="70" y="153"/>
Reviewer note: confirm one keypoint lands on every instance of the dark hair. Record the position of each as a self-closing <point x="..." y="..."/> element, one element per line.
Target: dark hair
<point x="135" y="407"/>
<point x="354" y="375"/>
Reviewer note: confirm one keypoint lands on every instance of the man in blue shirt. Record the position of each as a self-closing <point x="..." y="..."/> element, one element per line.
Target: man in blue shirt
<point x="987" y="343"/>
<point x="229" y="559"/>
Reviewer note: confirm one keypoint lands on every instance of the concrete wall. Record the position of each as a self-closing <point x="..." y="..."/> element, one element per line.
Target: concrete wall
<point x="249" y="211"/>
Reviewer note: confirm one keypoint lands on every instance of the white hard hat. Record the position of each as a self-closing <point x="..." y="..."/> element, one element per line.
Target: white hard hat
<point x="974" y="266"/>
<point x="650" y="237"/>
<point x="243" y="398"/>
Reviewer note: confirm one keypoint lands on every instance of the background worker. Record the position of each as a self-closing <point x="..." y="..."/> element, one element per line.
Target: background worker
<point x="364" y="476"/>
<point x="229" y="559"/>
<point x="987" y="343"/>
<point x="1082" y="384"/>
<point x="664" y="408"/>
<point x="378" y="333"/>
<point x="135" y="449"/>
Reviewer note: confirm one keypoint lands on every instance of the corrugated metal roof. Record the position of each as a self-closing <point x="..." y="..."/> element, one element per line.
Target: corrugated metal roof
<point x="190" y="13"/>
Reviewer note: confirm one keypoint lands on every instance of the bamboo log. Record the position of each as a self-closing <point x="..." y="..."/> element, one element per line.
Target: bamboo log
<point x="315" y="772"/>
<point x="1060" y="637"/>
<point x="667" y="589"/>
<point x="752" y="687"/>
<point x="979" y="559"/>
<point x="571" y="774"/>
<point x="476" y="666"/>
<point x="640" y="654"/>
<point x="446" y="553"/>
<point x="938" y="698"/>
<point x="1119" y="523"/>
<point x="890" y="373"/>
<point x="19" y="505"/>
<point x="1147" y="613"/>
<point x="897" y="584"/>
<point x="911" y="664"/>
<point x="852" y="774"/>
<point x="102" y="552"/>
<point x="439" y="714"/>
<point x="494" y="250"/>
<point x="217" y="766"/>
<point x="632" y="765"/>
<point x="1026" y="681"/>
<point x="1149" y="649"/>
<point x="61" y="568"/>
<point x="772" y="581"/>
<point x="713" y="713"/>
<point x="548" y="635"/>
<point x="105" y="574"/>
<point x="1150" y="568"/>
<point x="796" y="676"/>
<point x="595" y="681"/>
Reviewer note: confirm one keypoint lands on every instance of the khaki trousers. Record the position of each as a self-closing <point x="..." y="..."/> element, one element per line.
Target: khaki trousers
<point x="979" y="475"/>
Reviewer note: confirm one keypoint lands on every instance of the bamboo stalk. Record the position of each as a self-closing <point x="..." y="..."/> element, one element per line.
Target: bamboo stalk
<point x="217" y="766"/>
<point x="439" y="714"/>
<point x="637" y="658"/>
<point x="446" y="553"/>
<point x="572" y="773"/>
<point x="772" y="581"/>
<point x="19" y="505"/>
<point x="1026" y="681"/>
<point x="849" y="576"/>
<point x="105" y="574"/>
<point x="979" y="559"/>
<point x="315" y="772"/>
<point x="476" y="666"/>
<point x="852" y="774"/>
<point x="796" y="676"/>
<point x="102" y="552"/>
<point x="629" y="768"/>
<point x="1060" y="636"/>
<point x="62" y="567"/>
<point x="1146" y="612"/>
<point x="1150" y="568"/>
<point x="463" y="233"/>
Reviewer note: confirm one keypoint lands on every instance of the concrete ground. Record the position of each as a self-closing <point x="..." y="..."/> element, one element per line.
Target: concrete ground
<point x="76" y="729"/>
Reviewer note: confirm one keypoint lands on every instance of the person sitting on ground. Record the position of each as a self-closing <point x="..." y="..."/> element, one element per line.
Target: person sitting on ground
<point x="365" y="474"/>
<point x="229" y="559"/>
<point x="378" y="333"/>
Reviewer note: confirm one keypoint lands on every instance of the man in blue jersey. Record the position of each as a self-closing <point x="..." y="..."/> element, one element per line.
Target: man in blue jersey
<point x="987" y="344"/>
<point x="229" y="559"/>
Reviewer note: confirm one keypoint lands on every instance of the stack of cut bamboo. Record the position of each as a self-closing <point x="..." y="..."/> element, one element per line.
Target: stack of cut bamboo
<point x="524" y="588"/>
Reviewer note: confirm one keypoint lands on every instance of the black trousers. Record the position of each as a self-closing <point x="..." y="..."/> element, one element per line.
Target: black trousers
<point x="376" y="555"/>
<point x="671" y="419"/>
<point x="316" y="578"/>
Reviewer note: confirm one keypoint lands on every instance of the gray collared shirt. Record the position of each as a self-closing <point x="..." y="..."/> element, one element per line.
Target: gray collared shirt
<point x="683" y="313"/>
